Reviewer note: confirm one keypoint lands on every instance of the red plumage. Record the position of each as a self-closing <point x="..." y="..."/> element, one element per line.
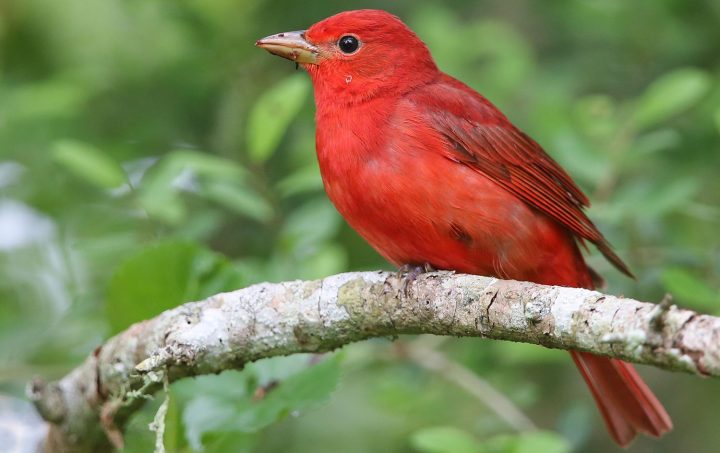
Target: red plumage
<point x="429" y="171"/>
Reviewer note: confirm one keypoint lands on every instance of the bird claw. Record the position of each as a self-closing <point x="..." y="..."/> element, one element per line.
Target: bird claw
<point x="411" y="272"/>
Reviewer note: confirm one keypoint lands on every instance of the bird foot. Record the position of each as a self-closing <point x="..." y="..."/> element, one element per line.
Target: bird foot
<point x="411" y="272"/>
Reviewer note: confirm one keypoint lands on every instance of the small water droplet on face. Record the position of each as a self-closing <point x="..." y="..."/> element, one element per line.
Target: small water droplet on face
<point x="348" y="78"/>
<point x="295" y="413"/>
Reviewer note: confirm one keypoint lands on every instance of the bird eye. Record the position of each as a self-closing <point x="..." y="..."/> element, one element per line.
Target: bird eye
<point x="348" y="44"/>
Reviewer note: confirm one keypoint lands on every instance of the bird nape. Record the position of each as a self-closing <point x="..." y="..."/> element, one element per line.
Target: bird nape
<point x="428" y="171"/>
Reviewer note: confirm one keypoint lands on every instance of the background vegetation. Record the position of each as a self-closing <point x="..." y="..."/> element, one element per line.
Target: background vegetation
<point x="150" y="155"/>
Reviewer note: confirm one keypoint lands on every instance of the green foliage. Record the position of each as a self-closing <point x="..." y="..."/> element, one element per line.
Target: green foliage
<point x="452" y="440"/>
<point x="164" y="276"/>
<point x="88" y="163"/>
<point x="272" y="113"/>
<point x="531" y="442"/>
<point x="691" y="291"/>
<point x="444" y="439"/>
<point x="213" y="178"/>
<point x="241" y="404"/>
<point x="151" y="155"/>
<point x="670" y="95"/>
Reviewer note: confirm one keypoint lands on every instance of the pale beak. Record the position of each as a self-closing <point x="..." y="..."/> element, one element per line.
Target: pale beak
<point x="291" y="45"/>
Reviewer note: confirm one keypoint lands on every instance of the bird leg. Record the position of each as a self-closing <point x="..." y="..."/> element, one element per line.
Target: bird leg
<point x="411" y="272"/>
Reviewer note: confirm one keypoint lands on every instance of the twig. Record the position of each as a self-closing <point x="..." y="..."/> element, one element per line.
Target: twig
<point x="158" y="423"/>
<point x="454" y="372"/>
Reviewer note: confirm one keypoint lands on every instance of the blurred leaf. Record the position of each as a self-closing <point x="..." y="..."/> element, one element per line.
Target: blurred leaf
<point x="690" y="291"/>
<point x="577" y="422"/>
<point x="579" y="157"/>
<point x="311" y="223"/>
<point x="306" y="179"/>
<point x="50" y="98"/>
<point x="88" y="163"/>
<point x="657" y="140"/>
<point x="529" y="442"/>
<point x="444" y="439"/>
<point x="328" y="260"/>
<point x="240" y="199"/>
<point x="500" y="58"/>
<point x="212" y="273"/>
<point x="153" y="280"/>
<point x="670" y="95"/>
<point x="648" y="202"/>
<point x="163" y="276"/>
<point x="158" y="193"/>
<point x="265" y="372"/>
<point x="205" y="415"/>
<point x="544" y="441"/>
<point x="302" y="391"/>
<point x="271" y="115"/>
<point x="206" y="164"/>
<point x="178" y="171"/>
<point x="668" y="197"/>
<point x="527" y="354"/>
<point x="235" y="442"/>
<point x="597" y="115"/>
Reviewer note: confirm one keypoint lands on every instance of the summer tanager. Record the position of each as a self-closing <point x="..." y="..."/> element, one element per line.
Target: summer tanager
<point x="429" y="172"/>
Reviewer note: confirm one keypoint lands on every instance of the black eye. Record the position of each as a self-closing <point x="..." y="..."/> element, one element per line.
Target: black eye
<point x="348" y="44"/>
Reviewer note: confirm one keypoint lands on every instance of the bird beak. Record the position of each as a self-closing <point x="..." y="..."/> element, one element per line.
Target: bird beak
<point x="291" y="45"/>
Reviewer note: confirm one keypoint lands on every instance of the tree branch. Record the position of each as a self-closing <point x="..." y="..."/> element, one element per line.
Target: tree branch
<point x="88" y="408"/>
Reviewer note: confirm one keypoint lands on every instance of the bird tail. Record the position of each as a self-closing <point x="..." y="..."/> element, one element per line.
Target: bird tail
<point x="626" y="403"/>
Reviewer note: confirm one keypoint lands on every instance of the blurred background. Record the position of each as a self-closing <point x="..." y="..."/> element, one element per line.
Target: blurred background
<point x="150" y="155"/>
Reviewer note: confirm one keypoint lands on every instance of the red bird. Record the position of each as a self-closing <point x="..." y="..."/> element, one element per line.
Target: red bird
<point x="430" y="172"/>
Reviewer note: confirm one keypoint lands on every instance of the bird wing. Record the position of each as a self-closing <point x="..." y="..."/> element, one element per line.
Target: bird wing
<point x="475" y="133"/>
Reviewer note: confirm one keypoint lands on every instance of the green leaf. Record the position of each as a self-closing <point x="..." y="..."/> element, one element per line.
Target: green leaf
<point x="207" y="164"/>
<point x="239" y="198"/>
<point x="690" y="291"/>
<point x="444" y="439"/>
<point x="53" y="97"/>
<point x="153" y="280"/>
<point x="646" y="201"/>
<point x="88" y="163"/>
<point x="669" y="197"/>
<point x="304" y="180"/>
<point x="159" y="192"/>
<point x="327" y="260"/>
<point x="234" y="442"/>
<point x="271" y="115"/>
<point x="541" y="441"/>
<point x="205" y="415"/>
<point x="529" y="442"/>
<point x="597" y="116"/>
<point x="158" y="196"/>
<point x="227" y="405"/>
<point x="526" y="354"/>
<point x="300" y="392"/>
<point x="163" y="276"/>
<point x="310" y="224"/>
<point x="670" y="95"/>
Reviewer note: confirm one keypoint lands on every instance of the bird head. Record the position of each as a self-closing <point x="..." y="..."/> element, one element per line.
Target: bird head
<point x="357" y="55"/>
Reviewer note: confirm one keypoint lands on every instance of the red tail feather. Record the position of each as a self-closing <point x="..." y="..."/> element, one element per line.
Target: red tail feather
<point x="625" y="402"/>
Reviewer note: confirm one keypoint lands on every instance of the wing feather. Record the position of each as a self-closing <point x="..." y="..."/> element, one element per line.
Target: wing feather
<point x="487" y="142"/>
